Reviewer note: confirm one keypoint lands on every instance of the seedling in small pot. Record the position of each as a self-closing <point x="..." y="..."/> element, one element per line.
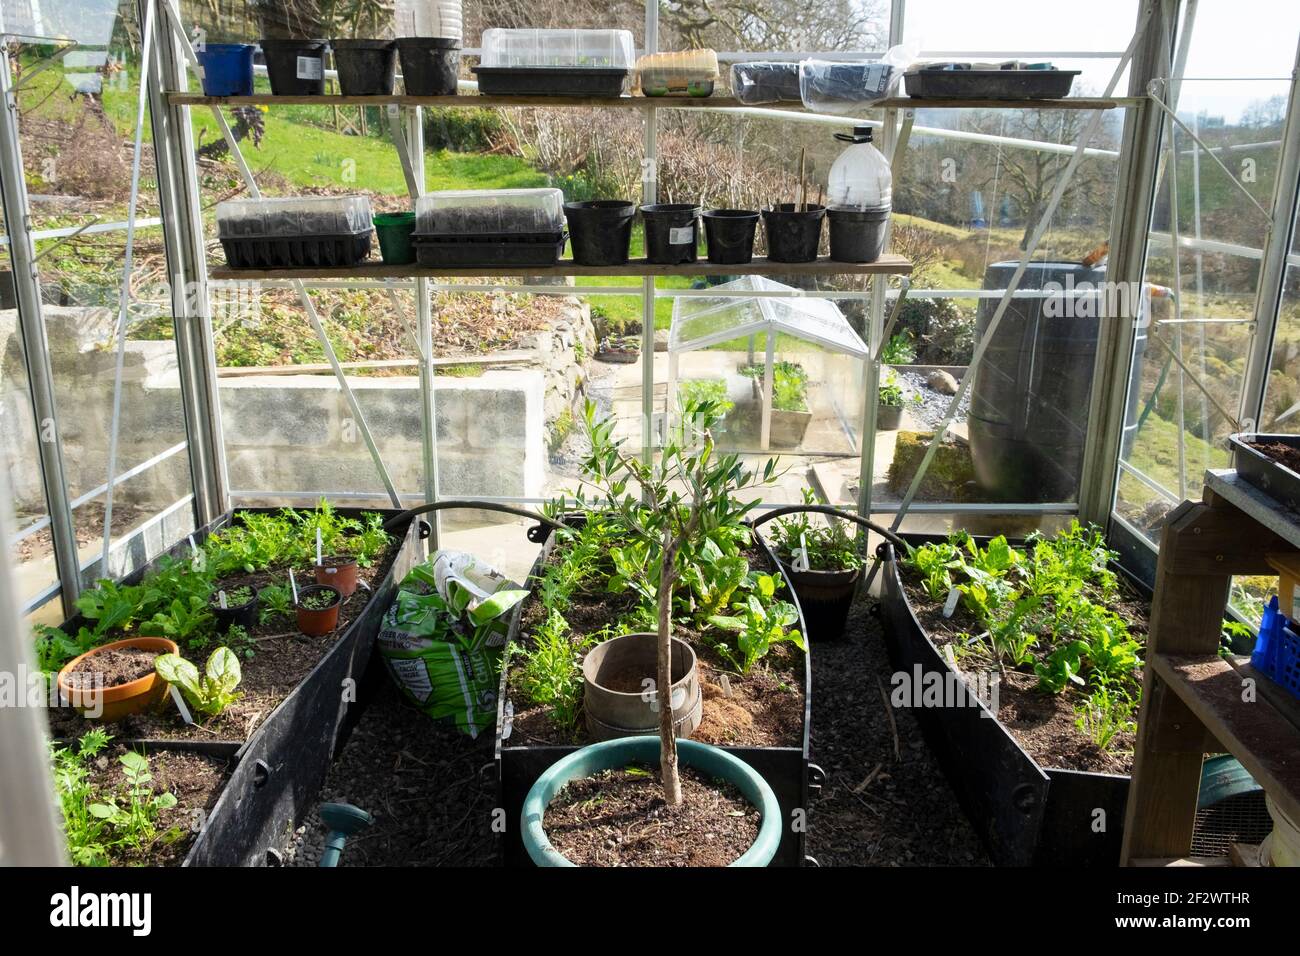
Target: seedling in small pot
<point x="318" y="609"/>
<point x="338" y="571"/>
<point x="235" y="607"/>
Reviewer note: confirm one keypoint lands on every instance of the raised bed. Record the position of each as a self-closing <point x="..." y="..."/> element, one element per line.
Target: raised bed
<point x="786" y="768"/>
<point x="1025" y="813"/>
<point x="276" y="771"/>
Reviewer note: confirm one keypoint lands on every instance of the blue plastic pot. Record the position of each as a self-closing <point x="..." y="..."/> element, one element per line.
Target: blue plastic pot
<point x="612" y="754"/>
<point x="227" y="69"/>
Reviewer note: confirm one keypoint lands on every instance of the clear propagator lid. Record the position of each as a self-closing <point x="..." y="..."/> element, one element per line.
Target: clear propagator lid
<point x="702" y="321"/>
<point x="293" y="216"/>
<point x="563" y="49"/>
<point x="461" y="212"/>
<point x="687" y="64"/>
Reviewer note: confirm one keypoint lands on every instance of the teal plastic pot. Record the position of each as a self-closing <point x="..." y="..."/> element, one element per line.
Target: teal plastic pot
<point x="612" y="754"/>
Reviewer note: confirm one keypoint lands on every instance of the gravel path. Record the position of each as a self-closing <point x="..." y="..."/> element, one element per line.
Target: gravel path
<point x="933" y="405"/>
<point x="431" y="791"/>
<point x="907" y="815"/>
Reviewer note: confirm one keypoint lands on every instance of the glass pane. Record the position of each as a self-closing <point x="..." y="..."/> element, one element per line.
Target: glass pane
<point x="78" y="129"/>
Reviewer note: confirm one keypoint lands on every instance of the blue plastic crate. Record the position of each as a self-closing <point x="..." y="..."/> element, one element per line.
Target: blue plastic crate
<point x="1277" y="649"/>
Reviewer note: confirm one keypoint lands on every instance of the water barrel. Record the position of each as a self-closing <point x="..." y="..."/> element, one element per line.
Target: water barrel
<point x="1029" y="402"/>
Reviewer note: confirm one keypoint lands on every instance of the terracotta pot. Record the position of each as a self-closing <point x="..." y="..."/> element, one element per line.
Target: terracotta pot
<point x="338" y="571"/>
<point x="114" y="703"/>
<point x="312" y="622"/>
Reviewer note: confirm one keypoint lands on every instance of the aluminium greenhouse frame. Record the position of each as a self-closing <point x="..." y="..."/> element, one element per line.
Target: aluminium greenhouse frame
<point x="1153" y="62"/>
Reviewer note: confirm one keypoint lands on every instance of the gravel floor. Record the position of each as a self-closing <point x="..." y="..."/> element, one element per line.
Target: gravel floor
<point x="432" y="798"/>
<point x="907" y="814"/>
<point x="933" y="405"/>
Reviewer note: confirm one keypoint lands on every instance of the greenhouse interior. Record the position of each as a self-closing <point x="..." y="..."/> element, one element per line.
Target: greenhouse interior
<point x="396" y="393"/>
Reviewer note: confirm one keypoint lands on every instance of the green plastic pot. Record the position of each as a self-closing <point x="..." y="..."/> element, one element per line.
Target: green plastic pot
<point x="394" y="229"/>
<point x="612" y="754"/>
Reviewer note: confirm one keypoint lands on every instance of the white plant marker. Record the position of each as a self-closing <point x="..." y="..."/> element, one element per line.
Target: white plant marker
<point x="950" y="605"/>
<point x="221" y="599"/>
<point x="801" y="554"/>
<point x="318" y="552"/>
<point x="294" y="586"/>
<point x="180" y="704"/>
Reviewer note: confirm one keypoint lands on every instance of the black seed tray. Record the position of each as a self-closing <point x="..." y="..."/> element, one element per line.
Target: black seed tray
<point x="487" y="249"/>
<point x="297" y="252"/>
<point x="990" y="84"/>
<point x="550" y="81"/>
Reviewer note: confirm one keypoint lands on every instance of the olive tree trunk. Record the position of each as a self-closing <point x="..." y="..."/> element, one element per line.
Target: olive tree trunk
<point x="664" y="679"/>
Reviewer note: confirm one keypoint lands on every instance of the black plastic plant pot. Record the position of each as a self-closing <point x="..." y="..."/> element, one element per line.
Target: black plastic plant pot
<point x="295" y="67"/>
<point x="793" y="234"/>
<point x="1265" y="472"/>
<point x="245" y="615"/>
<point x="600" y="231"/>
<point x="672" y="233"/>
<point x="730" y="235"/>
<point x="1025" y="814"/>
<point x="430" y="65"/>
<point x="825" y="597"/>
<point x="786" y="769"/>
<point x="280" y="767"/>
<point x="365" y="67"/>
<point x="857" y="235"/>
<point x="889" y="417"/>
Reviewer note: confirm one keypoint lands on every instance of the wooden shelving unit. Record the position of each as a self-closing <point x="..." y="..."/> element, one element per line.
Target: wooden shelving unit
<point x="885" y="265"/>
<point x="631" y="102"/>
<point x="1193" y="700"/>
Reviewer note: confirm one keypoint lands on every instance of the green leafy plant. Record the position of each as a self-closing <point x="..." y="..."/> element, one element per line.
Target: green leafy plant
<point x="274" y="600"/>
<point x="693" y="391"/>
<point x="828" y="543"/>
<point x="209" y="693"/>
<point x="550" y="675"/>
<point x="789" y="384"/>
<point x="188" y="623"/>
<point x="899" y="350"/>
<point x="240" y="642"/>
<point x="235" y="597"/>
<point x="54" y="647"/>
<point x="757" y="626"/>
<point x="132" y="815"/>
<point x="82" y="830"/>
<point x="1105" y="714"/>
<point x="318" y="600"/>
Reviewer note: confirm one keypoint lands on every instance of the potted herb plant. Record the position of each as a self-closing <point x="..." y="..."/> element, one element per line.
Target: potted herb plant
<point x="790" y="412"/>
<point x="822" y="561"/>
<point x="235" y="606"/>
<point x="889" y="413"/>
<point x="664" y="534"/>
<point x="318" y="609"/>
<point x="339" y="571"/>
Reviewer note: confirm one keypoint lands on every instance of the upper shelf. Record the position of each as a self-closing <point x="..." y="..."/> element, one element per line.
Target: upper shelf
<point x="1229" y="485"/>
<point x="628" y="102"/>
<point x="885" y="265"/>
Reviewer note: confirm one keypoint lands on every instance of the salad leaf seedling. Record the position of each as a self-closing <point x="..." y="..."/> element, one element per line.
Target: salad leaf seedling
<point x="209" y="693"/>
<point x="274" y="600"/>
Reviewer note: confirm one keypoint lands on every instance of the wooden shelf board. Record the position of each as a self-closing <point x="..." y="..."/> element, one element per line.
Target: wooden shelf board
<point x="1244" y="496"/>
<point x="886" y="265"/>
<point x="473" y="101"/>
<point x="1258" y="734"/>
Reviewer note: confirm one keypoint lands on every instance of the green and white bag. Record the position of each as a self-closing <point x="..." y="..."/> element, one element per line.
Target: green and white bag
<point x="443" y="635"/>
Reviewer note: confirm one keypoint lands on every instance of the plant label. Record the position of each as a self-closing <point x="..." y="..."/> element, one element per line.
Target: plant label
<point x="180" y="704"/>
<point x="950" y="605"/>
<point x="310" y="68"/>
<point x="221" y="600"/>
<point x="681" y="235"/>
<point x="726" y="684"/>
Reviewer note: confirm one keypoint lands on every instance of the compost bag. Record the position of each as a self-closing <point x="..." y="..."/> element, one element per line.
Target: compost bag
<point x="443" y="636"/>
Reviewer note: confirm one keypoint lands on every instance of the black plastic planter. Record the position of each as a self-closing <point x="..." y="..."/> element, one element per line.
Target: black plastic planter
<point x="730" y="235"/>
<point x="596" y="82"/>
<point x="889" y="417"/>
<point x="793" y="235"/>
<point x="295" y="67"/>
<point x="1270" y="476"/>
<point x="365" y="67"/>
<point x="672" y="233"/>
<point x="786" y="769"/>
<point x="245" y="615"/>
<point x="600" y="231"/>
<point x="430" y="65"/>
<point x="1026" y="814"/>
<point x="282" y="765"/>
<point x="825" y="598"/>
<point x="857" y="235"/>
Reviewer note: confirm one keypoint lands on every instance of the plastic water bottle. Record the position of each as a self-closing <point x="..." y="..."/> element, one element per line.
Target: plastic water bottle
<point x="860" y="178"/>
<point x="428" y="18"/>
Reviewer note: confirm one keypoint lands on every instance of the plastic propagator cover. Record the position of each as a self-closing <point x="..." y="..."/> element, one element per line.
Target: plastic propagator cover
<point x="676" y="72"/>
<point x="464" y="212"/>
<point x="701" y="321"/>
<point x="275" y="218"/>
<point x="562" y="49"/>
<point x="830" y="87"/>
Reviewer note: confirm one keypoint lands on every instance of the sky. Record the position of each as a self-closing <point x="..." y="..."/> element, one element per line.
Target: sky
<point x="1244" y="49"/>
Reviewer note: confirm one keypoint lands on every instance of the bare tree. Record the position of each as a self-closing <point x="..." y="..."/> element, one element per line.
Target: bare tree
<point x="776" y="24"/>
